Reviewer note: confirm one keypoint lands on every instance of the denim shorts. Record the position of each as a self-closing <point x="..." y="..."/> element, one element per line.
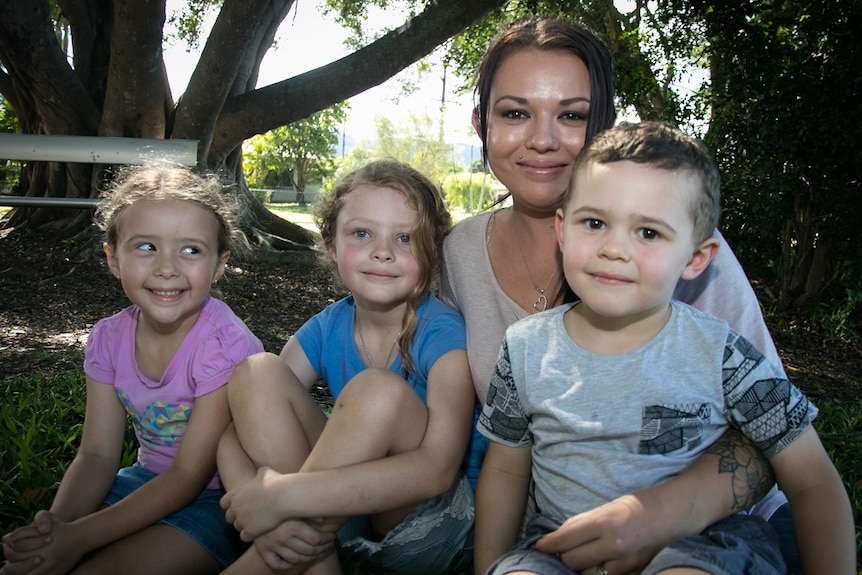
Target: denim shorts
<point x="434" y="539"/>
<point x="737" y="544"/>
<point x="203" y="520"/>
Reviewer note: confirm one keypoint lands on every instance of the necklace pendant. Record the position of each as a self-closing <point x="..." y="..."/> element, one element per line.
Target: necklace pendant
<point x="541" y="303"/>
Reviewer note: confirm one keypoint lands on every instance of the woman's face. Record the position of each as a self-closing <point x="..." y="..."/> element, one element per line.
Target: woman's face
<point x="537" y="123"/>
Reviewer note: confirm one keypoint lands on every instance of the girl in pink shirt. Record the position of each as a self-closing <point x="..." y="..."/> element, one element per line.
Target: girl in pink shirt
<point x="163" y="362"/>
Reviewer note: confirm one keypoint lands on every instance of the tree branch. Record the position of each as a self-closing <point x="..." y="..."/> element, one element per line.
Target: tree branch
<point x="280" y="104"/>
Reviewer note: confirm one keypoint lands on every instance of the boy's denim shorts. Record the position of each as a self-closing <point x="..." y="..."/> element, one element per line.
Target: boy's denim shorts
<point x="435" y="538"/>
<point x="737" y="544"/>
<point x="203" y="520"/>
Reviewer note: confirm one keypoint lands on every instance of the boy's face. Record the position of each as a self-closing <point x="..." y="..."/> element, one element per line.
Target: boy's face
<point x="627" y="237"/>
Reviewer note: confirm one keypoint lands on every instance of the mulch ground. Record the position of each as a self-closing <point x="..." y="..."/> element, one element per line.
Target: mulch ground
<point x="52" y="292"/>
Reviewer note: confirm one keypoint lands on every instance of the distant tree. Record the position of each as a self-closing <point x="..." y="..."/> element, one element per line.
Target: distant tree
<point x="472" y="191"/>
<point x="297" y="152"/>
<point x="9" y="169"/>
<point x="415" y="141"/>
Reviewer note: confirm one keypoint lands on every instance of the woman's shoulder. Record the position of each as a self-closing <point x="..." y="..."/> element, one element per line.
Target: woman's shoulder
<point x="465" y="232"/>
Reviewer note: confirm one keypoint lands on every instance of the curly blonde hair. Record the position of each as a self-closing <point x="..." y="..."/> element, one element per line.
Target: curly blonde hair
<point x="426" y="238"/>
<point x="162" y="181"/>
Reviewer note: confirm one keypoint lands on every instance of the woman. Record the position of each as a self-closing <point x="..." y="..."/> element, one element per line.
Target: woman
<point x="545" y="88"/>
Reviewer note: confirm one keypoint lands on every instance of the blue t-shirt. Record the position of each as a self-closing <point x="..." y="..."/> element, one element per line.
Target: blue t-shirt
<point x="327" y="340"/>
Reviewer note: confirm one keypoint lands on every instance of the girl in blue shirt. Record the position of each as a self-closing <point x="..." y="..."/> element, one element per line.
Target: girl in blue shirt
<point x="389" y="455"/>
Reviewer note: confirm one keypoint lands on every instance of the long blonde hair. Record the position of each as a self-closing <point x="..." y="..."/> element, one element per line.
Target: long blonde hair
<point x="426" y="238"/>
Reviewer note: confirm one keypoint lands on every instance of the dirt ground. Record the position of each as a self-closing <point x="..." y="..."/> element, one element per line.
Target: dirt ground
<point x="51" y="294"/>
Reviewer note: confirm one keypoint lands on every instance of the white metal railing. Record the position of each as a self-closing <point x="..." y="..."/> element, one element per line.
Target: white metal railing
<point x="88" y="150"/>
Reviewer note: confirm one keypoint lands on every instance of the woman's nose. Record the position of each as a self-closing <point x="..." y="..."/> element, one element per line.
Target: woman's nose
<point x="543" y="135"/>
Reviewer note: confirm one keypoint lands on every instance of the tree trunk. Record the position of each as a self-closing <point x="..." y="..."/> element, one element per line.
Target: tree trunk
<point x="118" y="86"/>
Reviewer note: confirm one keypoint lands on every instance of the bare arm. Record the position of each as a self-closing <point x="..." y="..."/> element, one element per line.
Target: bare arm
<point x="624" y="534"/>
<point x="91" y="474"/>
<point x="822" y="517"/>
<point x="169" y="491"/>
<point x="501" y="495"/>
<point x="373" y="486"/>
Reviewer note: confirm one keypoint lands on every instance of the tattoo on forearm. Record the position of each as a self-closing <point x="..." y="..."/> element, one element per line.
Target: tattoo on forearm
<point x="752" y="476"/>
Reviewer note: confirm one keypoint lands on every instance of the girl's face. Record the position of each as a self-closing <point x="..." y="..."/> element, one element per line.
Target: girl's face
<point x="167" y="258"/>
<point x="537" y="123"/>
<point x="371" y="247"/>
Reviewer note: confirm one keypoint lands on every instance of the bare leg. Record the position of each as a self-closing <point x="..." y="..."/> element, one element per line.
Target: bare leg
<point x="158" y="549"/>
<point x="276" y="421"/>
<point x="376" y="415"/>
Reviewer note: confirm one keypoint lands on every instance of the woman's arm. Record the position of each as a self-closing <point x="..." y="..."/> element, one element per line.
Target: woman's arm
<point x="501" y="496"/>
<point x="373" y="486"/>
<point x="822" y="516"/>
<point x="625" y="533"/>
<point x="725" y="291"/>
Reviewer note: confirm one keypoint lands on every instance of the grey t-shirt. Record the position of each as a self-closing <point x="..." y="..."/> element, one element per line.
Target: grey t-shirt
<point x="469" y="285"/>
<point x="602" y="426"/>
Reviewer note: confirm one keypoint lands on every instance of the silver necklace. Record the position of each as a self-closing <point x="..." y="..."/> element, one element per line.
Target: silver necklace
<point x="365" y="348"/>
<point x="541" y="303"/>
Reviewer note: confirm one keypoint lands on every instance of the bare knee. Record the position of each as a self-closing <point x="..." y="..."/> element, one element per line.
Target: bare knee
<point x="380" y="389"/>
<point x="379" y="398"/>
<point x="262" y="378"/>
<point x="255" y="371"/>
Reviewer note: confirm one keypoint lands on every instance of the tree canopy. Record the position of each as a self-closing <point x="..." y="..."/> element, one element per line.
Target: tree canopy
<point x="770" y="85"/>
<point x="293" y="154"/>
<point x="115" y="83"/>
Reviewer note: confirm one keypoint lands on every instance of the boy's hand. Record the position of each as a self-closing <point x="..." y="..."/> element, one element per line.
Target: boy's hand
<point x="250" y="508"/>
<point x="614" y="536"/>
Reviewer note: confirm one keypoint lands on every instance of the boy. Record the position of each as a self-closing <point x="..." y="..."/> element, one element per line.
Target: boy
<point x="622" y="390"/>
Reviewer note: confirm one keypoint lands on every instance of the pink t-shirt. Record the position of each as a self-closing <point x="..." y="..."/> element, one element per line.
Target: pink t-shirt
<point x="160" y="410"/>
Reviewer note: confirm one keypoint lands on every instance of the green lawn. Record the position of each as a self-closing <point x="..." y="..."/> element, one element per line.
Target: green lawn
<point x="302" y="215"/>
<point x="41" y="421"/>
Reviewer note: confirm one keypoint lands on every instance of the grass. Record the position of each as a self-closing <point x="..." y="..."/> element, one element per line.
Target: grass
<point x="41" y="421"/>
<point x="295" y="213"/>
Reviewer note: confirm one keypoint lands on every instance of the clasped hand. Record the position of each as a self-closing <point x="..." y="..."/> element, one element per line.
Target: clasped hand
<point x="615" y="535"/>
<point x="251" y="507"/>
<point x="282" y="542"/>
<point x="45" y="547"/>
